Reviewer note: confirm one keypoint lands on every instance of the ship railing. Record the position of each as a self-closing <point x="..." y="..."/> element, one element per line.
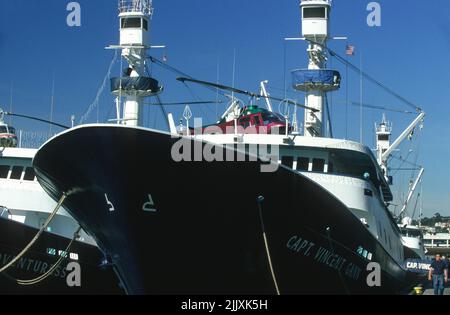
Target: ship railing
<point x="33" y="139"/>
<point x="144" y="6"/>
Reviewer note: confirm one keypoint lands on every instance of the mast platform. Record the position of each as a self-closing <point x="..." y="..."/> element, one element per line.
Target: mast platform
<point x="309" y="80"/>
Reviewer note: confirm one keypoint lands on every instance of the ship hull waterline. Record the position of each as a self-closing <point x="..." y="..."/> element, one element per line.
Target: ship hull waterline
<point x="197" y="227"/>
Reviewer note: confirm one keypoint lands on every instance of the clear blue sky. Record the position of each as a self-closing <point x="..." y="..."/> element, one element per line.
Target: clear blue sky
<point x="409" y="53"/>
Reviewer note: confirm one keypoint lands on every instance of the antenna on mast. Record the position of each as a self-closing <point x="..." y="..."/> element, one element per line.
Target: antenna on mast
<point x="134" y="84"/>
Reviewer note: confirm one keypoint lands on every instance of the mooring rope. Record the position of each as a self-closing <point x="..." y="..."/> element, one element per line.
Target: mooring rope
<point x="34" y="240"/>
<point x="62" y="257"/>
<point x="260" y="200"/>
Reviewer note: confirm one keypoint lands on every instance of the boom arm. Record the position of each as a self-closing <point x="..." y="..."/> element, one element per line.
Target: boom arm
<point x="266" y="95"/>
<point x="411" y="192"/>
<point x="402" y="137"/>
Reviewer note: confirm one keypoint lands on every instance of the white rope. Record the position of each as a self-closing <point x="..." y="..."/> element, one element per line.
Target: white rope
<point x="53" y="268"/>
<point x="34" y="240"/>
<point x="266" y="244"/>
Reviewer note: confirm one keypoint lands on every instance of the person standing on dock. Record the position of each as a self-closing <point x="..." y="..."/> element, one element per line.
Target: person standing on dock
<point x="438" y="274"/>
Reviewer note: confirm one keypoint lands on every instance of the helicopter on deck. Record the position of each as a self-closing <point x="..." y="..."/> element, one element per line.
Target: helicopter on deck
<point x="252" y="119"/>
<point x="8" y="137"/>
<point x="240" y="118"/>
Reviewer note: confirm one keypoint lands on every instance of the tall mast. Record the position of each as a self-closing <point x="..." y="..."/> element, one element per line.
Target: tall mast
<point x="383" y="141"/>
<point x="135" y="84"/>
<point x="316" y="80"/>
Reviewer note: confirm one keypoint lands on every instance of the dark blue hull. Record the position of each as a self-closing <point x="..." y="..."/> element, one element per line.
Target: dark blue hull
<point x="196" y="228"/>
<point x="42" y="256"/>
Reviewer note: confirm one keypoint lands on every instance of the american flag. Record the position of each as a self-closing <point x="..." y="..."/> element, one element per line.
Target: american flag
<point x="350" y="50"/>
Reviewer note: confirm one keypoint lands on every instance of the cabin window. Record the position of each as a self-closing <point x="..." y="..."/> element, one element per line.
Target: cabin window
<point x="314" y="13"/>
<point x="145" y="24"/>
<point x="4" y="170"/>
<point x="287" y="161"/>
<point x="29" y="174"/>
<point x="131" y="23"/>
<point x="354" y="164"/>
<point x="318" y="165"/>
<point x="3" y="129"/>
<point x="302" y="164"/>
<point x="330" y="167"/>
<point x="16" y="172"/>
<point x="383" y="137"/>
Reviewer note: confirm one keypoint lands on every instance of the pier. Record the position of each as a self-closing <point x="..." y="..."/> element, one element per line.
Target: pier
<point x="427" y="289"/>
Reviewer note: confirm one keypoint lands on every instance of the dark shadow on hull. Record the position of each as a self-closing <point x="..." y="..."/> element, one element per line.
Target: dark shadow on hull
<point x="15" y="236"/>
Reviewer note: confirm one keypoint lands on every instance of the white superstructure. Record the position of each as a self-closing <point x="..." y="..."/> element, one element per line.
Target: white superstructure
<point x="23" y="200"/>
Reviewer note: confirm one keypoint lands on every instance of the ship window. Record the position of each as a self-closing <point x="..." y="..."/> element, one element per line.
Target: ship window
<point x="145" y="24"/>
<point x="330" y="167"/>
<point x="16" y="172"/>
<point x="287" y="161"/>
<point x="131" y="23"/>
<point x="318" y="165"/>
<point x="29" y="174"/>
<point x="3" y="129"/>
<point x="4" y="170"/>
<point x="355" y="164"/>
<point x="302" y="164"/>
<point x="314" y="13"/>
<point x="383" y="137"/>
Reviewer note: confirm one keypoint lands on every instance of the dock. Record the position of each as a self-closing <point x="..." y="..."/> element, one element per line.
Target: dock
<point x="428" y="289"/>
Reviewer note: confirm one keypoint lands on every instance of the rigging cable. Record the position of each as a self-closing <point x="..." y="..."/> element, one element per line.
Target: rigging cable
<point x="368" y="77"/>
<point x="415" y="206"/>
<point x="163" y="110"/>
<point x="180" y="73"/>
<point x="330" y="125"/>
<point x="95" y="103"/>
